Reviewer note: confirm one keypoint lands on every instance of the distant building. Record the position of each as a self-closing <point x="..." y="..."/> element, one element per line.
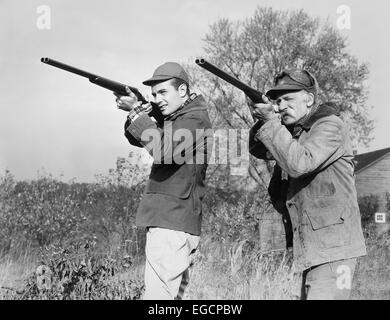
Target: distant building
<point x="372" y="170"/>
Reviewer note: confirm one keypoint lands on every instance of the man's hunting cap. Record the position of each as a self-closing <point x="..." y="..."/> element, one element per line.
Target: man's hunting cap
<point x="167" y="71"/>
<point x="293" y="80"/>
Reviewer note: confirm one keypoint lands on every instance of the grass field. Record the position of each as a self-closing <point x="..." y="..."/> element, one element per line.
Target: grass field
<point x="219" y="272"/>
<point x="78" y="241"/>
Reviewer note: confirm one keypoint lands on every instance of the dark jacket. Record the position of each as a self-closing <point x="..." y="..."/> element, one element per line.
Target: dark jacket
<point x="314" y="183"/>
<point x="176" y="185"/>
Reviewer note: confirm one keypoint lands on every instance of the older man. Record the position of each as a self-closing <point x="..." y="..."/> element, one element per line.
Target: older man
<point x="313" y="182"/>
<point x="171" y="208"/>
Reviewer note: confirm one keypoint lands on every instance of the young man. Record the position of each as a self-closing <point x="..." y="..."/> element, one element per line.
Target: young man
<point x="171" y="205"/>
<point x="312" y="183"/>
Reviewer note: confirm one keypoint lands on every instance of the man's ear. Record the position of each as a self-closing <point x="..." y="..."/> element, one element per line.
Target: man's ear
<point x="309" y="99"/>
<point x="182" y="90"/>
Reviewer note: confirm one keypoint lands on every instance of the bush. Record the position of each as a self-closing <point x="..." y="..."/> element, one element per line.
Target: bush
<point x="231" y="216"/>
<point x="36" y="213"/>
<point x="368" y="205"/>
<point x="79" y="272"/>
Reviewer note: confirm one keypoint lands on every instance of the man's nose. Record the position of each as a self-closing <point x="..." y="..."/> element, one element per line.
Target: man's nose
<point x="157" y="98"/>
<point x="282" y="106"/>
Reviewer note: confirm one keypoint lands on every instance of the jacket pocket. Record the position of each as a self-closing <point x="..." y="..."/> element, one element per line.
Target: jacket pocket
<point x="320" y="185"/>
<point x="178" y="190"/>
<point x="324" y="217"/>
<point x="327" y="226"/>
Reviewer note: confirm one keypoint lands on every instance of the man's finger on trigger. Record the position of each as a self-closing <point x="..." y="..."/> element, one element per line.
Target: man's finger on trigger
<point x="131" y="93"/>
<point x="265" y="99"/>
<point x="148" y="107"/>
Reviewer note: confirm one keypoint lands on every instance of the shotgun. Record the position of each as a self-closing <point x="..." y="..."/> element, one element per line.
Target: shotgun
<point x="111" y="85"/>
<point x="253" y="94"/>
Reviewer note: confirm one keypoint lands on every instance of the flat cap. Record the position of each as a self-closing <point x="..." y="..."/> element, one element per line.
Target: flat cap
<point x="167" y="71"/>
<point x="293" y="80"/>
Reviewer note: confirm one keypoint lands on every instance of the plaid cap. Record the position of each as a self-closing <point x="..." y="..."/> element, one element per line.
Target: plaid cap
<point x="167" y="71"/>
<point x="293" y="80"/>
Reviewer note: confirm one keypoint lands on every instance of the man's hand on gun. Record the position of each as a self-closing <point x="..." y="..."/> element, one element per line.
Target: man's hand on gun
<point x="262" y="111"/>
<point x="130" y="102"/>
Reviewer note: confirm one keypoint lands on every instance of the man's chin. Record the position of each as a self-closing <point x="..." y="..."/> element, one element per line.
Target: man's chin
<point x="288" y="121"/>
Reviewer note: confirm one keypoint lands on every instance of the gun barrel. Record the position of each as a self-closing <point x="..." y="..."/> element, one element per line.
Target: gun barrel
<point x="252" y="93"/>
<point x="95" y="79"/>
<point x="69" y="68"/>
<point x="222" y="74"/>
<point x="107" y="84"/>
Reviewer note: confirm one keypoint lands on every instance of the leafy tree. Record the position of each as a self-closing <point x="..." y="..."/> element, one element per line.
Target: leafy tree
<point x="258" y="48"/>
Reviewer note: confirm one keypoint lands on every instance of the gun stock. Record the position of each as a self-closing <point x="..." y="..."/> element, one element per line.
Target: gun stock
<point x="253" y="94"/>
<point x="111" y="85"/>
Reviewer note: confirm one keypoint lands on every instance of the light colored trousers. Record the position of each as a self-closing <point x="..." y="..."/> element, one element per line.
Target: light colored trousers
<point x="168" y="257"/>
<point x="329" y="281"/>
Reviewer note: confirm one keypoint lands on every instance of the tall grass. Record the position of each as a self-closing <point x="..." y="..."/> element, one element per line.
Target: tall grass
<point x="227" y="271"/>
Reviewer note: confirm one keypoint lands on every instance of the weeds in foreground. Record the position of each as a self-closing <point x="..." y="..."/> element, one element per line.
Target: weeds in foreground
<point x="222" y="271"/>
<point x="78" y="273"/>
<point x="239" y="271"/>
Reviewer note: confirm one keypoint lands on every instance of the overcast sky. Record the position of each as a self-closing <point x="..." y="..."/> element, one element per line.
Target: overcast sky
<point x="57" y="122"/>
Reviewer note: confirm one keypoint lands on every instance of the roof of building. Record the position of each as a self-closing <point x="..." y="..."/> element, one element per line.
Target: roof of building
<point x="367" y="159"/>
